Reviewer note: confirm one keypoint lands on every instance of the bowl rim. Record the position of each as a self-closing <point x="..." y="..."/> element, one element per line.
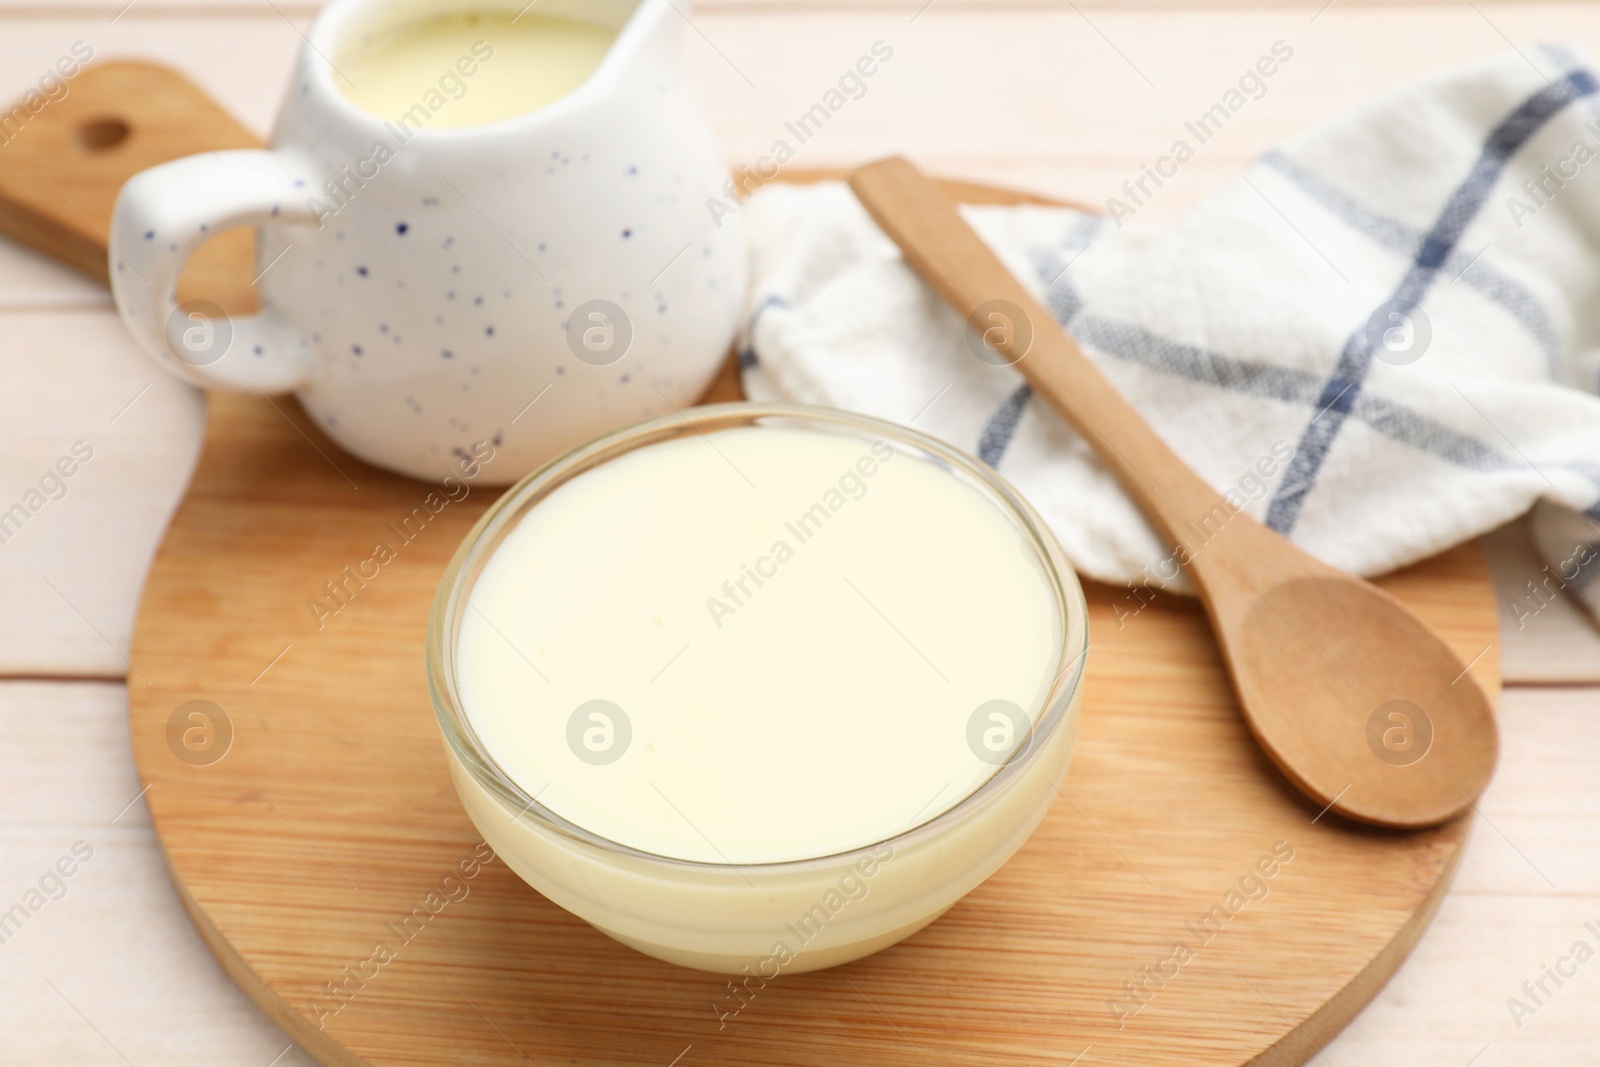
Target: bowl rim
<point x="454" y="594"/>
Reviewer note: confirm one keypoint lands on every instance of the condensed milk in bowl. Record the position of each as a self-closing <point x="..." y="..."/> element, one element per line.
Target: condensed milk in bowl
<point x="758" y="689"/>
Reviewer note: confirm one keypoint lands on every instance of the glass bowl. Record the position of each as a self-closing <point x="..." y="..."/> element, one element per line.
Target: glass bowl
<point x="763" y="919"/>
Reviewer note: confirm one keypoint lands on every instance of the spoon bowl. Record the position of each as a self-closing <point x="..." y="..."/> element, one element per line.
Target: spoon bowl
<point x="1360" y="704"/>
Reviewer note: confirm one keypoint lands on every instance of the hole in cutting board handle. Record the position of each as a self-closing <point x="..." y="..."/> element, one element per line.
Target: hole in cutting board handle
<point x="102" y="134"/>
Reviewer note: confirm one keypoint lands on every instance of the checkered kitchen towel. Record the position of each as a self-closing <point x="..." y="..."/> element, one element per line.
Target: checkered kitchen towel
<point x="1382" y="339"/>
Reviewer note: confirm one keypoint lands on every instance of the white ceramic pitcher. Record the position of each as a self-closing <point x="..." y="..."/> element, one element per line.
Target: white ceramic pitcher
<point x="532" y="282"/>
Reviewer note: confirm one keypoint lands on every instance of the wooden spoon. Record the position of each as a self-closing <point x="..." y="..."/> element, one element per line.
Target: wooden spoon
<point x="1355" y="699"/>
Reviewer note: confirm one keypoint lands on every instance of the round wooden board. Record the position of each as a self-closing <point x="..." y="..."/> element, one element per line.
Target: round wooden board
<point x="330" y="829"/>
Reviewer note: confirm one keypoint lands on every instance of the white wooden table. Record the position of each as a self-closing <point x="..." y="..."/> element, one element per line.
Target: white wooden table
<point x="1068" y="99"/>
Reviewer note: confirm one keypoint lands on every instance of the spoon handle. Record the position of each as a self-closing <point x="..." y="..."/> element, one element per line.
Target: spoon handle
<point x="922" y="219"/>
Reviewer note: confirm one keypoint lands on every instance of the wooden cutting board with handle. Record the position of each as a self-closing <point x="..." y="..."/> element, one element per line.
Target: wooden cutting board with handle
<point x="60" y="172"/>
<point x="1180" y="906"/>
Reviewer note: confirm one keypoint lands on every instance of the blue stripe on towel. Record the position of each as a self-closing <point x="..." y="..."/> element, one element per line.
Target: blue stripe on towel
<point x="1407" y="426"/>
<point x="1342" y="389"/>
<point x="1063" y="303"/>
<point x="1002" y="426"/>
<point x="1512" y="296"/>
<point x="747" y="354"/>
<point x="1587" y="572"/>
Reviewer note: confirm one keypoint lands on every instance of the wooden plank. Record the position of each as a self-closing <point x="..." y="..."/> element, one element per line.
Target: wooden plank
<point x="72" y="561"/>
<point x="89" y="9"/>
<point x="111" y="941"/>
<point x="1528" y="886"/>
<point x="1545" y="636"/>
<point x="31" y="281"/>
<point x="1066" y="94"/>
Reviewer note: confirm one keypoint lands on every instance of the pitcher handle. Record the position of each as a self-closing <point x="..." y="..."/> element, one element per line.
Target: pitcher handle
<point x="161" y="216"/>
